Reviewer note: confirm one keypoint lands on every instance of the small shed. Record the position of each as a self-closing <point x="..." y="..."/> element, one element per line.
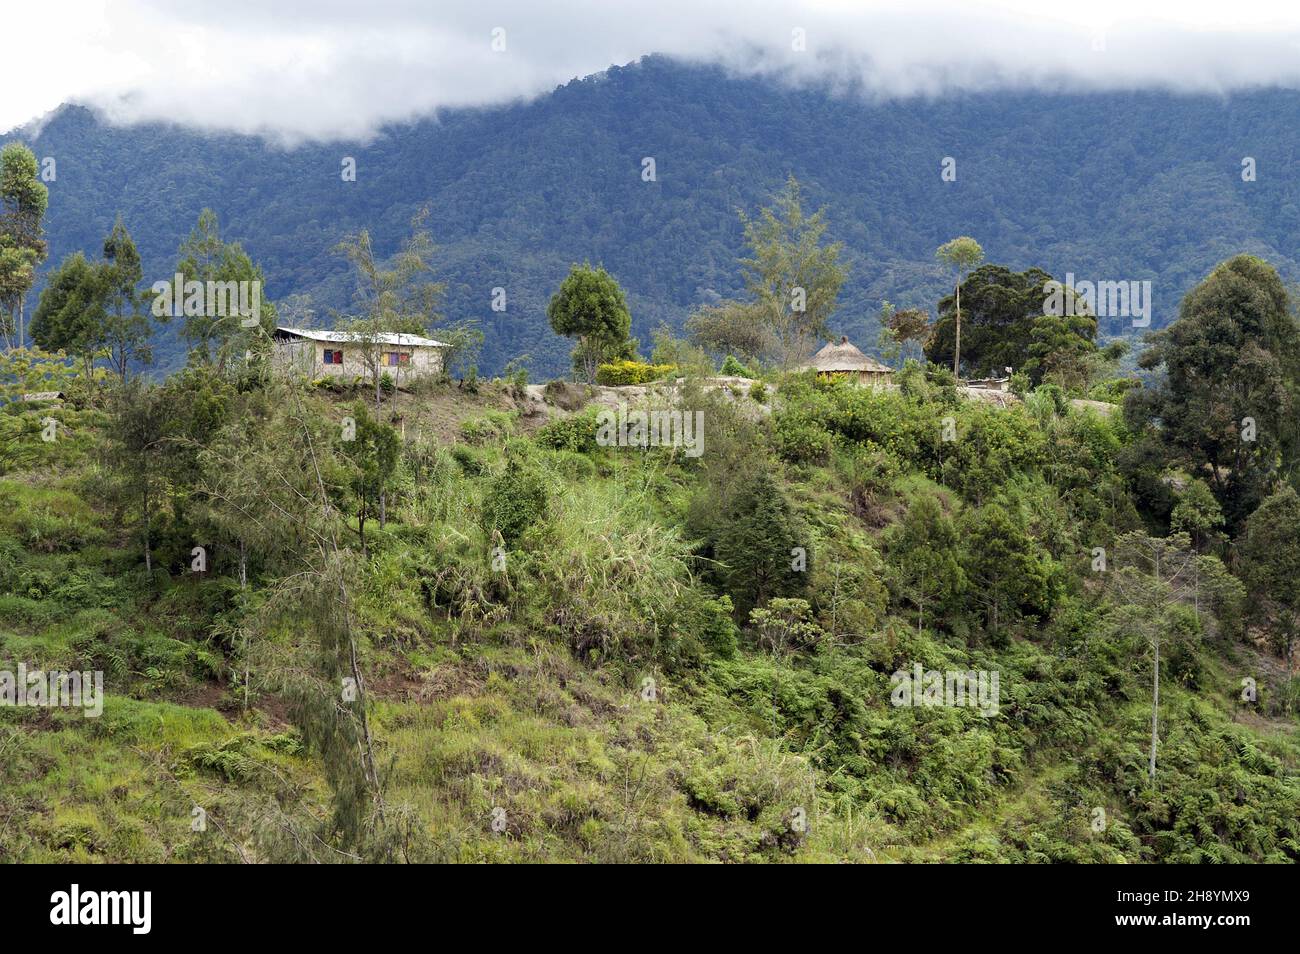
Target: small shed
<point x="845" y="360"/>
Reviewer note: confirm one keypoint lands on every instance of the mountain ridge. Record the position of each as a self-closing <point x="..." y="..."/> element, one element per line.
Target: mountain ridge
<point x="519" y="192"/>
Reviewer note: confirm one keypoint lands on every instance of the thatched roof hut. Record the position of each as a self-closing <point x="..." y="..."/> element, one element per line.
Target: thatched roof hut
<point x="845" y="360"/>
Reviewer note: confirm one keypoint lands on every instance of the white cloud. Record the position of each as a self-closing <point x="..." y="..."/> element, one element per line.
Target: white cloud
<point x="332" y="69"/>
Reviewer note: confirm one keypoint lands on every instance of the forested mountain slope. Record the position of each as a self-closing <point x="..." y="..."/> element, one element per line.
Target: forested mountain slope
<point x="1113" y="186"/>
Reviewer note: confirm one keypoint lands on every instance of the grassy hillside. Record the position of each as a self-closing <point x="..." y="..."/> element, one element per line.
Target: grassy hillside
<point x="588" y="653"/>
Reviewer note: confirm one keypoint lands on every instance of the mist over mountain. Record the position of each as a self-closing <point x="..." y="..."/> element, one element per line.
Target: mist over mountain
<point x="1106" y="186"/>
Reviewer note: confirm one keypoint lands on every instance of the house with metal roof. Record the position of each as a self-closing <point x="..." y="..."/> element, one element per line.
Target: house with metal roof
<point x="319" y="353"/>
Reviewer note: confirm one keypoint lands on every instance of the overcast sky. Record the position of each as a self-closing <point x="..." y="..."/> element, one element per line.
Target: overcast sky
<point x="328" y="69"/>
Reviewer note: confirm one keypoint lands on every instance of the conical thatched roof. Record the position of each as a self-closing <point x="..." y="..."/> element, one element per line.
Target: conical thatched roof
<point x="845" y="357"/>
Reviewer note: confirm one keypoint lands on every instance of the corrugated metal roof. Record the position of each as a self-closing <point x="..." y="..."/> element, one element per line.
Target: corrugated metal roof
<point x="345" y="337"/>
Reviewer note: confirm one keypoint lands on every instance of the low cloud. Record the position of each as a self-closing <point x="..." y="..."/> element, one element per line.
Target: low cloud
<point x="329" y="69"/>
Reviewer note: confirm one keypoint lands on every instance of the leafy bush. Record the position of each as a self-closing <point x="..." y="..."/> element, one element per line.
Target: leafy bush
<point x="516" y="500"/>
<point x="784" y="625"/>
<point x="516" y="373"/>
<point x="869" y="471"/>
<point x="708" y="619"/>
<point x="576" y="433"/>
<point x="734" y="368"/>
<point x="492" y="427"/>
<point x="573" y="465"/>
<point x="472" y="461"/>
<point x="1047" y="399"/>
<point x="801" y="439"/>
<point x="1112" y="391"/>
<point x="624" y="372"/>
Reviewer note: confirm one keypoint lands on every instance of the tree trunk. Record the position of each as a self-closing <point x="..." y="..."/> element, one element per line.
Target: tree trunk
<point x="368" y="750"/>
<point x="369" y="756"/>
<point x="956" y="350"/>
<point x="1155" y="708"/>
<point x="243" y="584"/>
<point x="835" y="604"/>
<point x="148" y="555"/>
<point x="1196" y="598"/>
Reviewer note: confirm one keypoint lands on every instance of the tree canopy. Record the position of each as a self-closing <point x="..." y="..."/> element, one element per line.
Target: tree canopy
<point x="590" y="306"/>
<point x="1004" y="326"/>
<point x="1224" y="404"/>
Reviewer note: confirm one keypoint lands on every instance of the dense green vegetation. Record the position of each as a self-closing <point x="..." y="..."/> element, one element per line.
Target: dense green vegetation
<point x="480" y="635"/>
<point x="1149" y="187"/>
<point x="344" y="620"/>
